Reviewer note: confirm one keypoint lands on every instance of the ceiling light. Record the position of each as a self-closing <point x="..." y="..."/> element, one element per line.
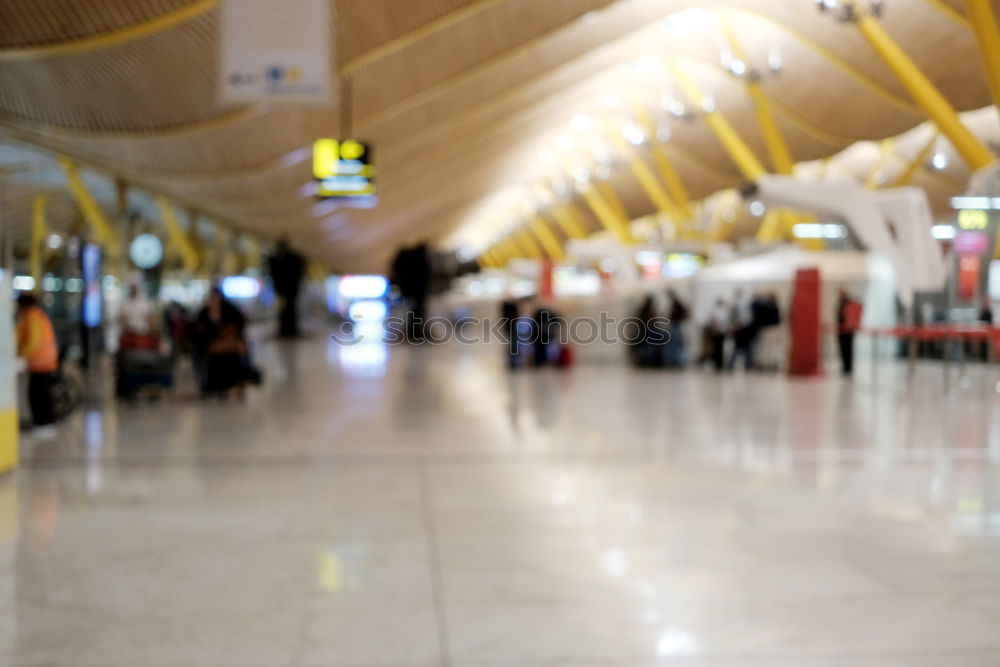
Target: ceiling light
<point x="737" y="67"/>
<point x="609" y="102"/>
<point x="939" y="161"/>
<point x="634" y="134"/>
<point x="689" y="20"/>
<point x="819" y="231"/>
<point x="581" y="122"/>
<point x="602" y="154"/>
<point x="54" y="242"/>
<point x="758" y="208"/>
<point x="648" y="64"/>
<point x="674" y="107"/>
<point x="775" y="62"/>
<point x="943" y="232"/>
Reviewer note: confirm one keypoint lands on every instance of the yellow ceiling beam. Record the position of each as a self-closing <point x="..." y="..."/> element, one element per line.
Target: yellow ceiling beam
<point x="884" y="156"/>
<point x="417" y="34"/>
<point x="92" y="212"/>
<point x="612" y="219"/>
<point x="984" y="24"/>
<point x="39" y="232"/>
<point x="647" y="179"/>
<point x="668" y="173"/>
<point x="569" y="219"/>
<point x="528" y="243"/>
<point x="835" y="60"/>
<point x="610" y="195"/>
<point x="917" y="162"/>
<point x="109" y="39"/>
<point x="180" y="242"/>
<point x="549" y="241"/>
<point x="771" y="229"/>
<point x="740" y="152"/>
<point x="950" y="12"/>
<point x="777" y="148"/>
<point x="940" y="110"/>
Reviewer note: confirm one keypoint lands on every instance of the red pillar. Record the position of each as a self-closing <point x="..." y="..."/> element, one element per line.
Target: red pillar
<point x="806" y="324"/>
<point x="546" y="283"/>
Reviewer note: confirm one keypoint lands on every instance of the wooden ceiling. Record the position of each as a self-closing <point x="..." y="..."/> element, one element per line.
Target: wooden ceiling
<point x="459" y="97"/>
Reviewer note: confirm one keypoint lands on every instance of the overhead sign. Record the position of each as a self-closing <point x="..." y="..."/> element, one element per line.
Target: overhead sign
<point x="276" y="51"/>
<point x="343" y="169"/>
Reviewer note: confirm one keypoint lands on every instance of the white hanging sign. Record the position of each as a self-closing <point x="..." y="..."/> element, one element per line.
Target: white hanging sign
<point x="276" y="51"/>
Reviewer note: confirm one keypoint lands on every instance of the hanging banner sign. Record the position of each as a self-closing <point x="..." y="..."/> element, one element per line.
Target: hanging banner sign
<point x="276" y="51"/>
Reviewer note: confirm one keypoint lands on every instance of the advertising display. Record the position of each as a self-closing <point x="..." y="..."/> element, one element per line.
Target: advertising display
<point x="276" y="56"/>
<point x="93" y="299"/>
<point x="975" y="239"/>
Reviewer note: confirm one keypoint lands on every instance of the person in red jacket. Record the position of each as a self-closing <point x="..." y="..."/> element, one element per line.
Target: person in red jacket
<point x="849" y="314"/>
<point x="36" y="344"/>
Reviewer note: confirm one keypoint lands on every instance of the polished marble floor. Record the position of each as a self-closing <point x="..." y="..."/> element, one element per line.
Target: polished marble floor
<point x="424" y="508"/>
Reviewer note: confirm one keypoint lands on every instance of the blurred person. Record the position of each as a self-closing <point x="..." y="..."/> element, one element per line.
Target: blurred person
<point x="223" y="354"/>
<point x="678" y="316"/>
<point x="411" y="272"/>
<point x="36" y="344"/>
<point x="767" y="319"/>
<point x="287" y="270"/>
<point x="719" y="327"/>
<point x="136" y="314"/>
<point x="175" y="324"/>
<point x="646" y="353"/>
<point x="509" y="312"/>
<point x="545" y="336"/>
<point x="744" y="331"/>
<point x="849" y="315"/>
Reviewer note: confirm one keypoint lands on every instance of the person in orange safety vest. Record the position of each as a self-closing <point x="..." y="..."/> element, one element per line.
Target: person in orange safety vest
<point x="36" y="344"/>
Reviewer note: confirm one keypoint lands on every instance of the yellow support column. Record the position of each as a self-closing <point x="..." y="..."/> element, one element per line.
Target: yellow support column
<point x="923" y="92"/>
<point x="529" y="243"/>
<point x="668" y="173"/>
<point x="179" y="241"/>
<point x="984" y="24"/>
<point x="608" y="193"/>
<point x="608" y="216"/>
<point x="771" y="230"/>
<point x="917" y="162"/>
<point x="777" y="148"/>
<point x="513" y="248"/>
<point x="92" y="213"/>
<point x="884" y="155"/>
<point x="724" y="215"/>
<point x="657" y="195"/>
<point x="547" y="238"/>
<point x="39" y="230"/>
<point x="570" y="223"/>
<point x="740" y="152"/>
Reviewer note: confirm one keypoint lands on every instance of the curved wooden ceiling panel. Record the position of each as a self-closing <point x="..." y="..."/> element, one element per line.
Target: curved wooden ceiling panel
<point x="459" y="97"/>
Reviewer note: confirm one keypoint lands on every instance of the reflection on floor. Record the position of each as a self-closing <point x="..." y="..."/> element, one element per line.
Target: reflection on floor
<point x="384" y="508"/>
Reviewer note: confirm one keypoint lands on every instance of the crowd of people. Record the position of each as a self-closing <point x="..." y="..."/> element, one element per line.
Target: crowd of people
<point x="743" y="330"/>
<point x="214" y="337"/>
<point x="534" y="332"/>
